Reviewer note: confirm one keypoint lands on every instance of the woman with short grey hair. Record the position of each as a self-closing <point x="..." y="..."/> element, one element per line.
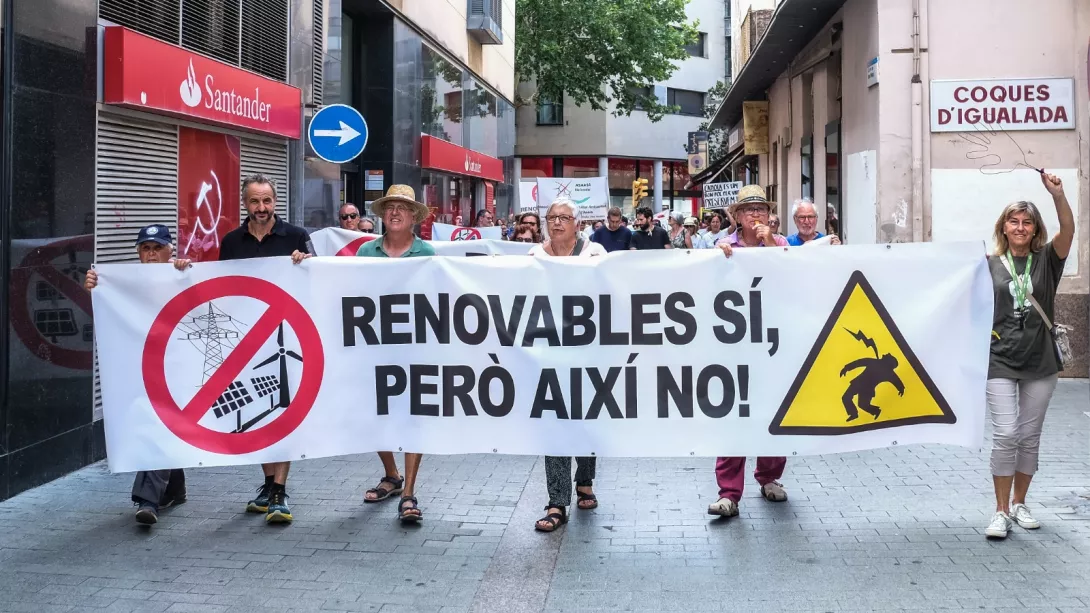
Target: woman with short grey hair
<point x="562" y="220"/>
<point x="679" y="238"/>
<point x="1023" y="367"/>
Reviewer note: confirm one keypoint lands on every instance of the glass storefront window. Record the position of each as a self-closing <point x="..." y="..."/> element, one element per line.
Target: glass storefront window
<point x="622" y="172"/>
<point x="440" y="96"/>
<point x="580" y="167"/>
<point x="481" y="118"/>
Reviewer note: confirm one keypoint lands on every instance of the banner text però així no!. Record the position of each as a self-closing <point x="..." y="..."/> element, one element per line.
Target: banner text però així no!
<point x="770" y="352"/>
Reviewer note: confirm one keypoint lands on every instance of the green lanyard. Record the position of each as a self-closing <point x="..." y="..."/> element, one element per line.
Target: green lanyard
<point x="1022" y="281"/>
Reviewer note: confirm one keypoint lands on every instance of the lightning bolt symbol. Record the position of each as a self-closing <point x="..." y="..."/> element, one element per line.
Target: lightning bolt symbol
<point x="859" y="336"/>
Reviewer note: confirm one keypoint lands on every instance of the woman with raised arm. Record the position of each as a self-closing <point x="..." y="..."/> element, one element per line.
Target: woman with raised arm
<point x="1026" y="268"/>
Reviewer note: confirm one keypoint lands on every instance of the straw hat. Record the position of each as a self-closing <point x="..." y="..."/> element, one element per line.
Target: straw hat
<point x="400" y="193"/>
<point x="751" y="194"/>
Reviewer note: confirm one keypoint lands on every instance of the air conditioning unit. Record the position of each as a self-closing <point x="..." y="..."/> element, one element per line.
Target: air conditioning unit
<point x="484" y="21"/>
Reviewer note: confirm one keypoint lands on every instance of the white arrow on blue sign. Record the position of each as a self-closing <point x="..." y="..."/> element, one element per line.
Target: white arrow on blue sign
<point x="338" y="133"/>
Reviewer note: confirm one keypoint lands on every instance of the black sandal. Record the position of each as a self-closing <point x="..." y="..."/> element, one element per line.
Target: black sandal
<point x="554" y="519"/>
<point x="382" y="493"/>
<point x="402" y="510"/>
<point x="585" y="497"/>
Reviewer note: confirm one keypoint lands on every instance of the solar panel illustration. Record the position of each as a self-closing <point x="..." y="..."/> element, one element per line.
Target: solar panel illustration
<point x="232" y="399"/>
<point x="265" y="385"/>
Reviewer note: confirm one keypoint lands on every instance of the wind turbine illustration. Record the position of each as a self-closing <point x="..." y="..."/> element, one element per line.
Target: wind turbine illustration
<point x="266" y="388"/>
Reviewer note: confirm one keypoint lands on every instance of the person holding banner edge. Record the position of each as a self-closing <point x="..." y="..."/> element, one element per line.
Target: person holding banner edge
<point x="751" y="211"/>
<point x="153" y="489"/>
<point x="1023" y="367"/>
<point x="399" y="211"/>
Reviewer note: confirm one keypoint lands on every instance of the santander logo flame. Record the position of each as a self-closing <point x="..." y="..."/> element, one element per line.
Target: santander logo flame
<point x="190" y="90"/>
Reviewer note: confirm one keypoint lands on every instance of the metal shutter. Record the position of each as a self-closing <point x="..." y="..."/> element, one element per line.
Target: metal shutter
<point x="264" y="45"/>
<point x="136" y="184"/>
<point x="270" y="159"/>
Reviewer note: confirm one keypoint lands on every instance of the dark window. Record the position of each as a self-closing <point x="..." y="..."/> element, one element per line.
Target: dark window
<point x="156" y="18"/>
<point x="806" y="155"/>
<point x="211" y="28"/>
<point x="642" y="91"/>
<point x="696" y="48"/>
<point x="550" y="113"/>
<point x="252" y="34"/>
<point x="690" y="102"/>
<point x="265" y="37"/>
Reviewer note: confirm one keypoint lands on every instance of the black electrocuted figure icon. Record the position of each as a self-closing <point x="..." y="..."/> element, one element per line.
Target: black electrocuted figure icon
<point x="864" y="386"/>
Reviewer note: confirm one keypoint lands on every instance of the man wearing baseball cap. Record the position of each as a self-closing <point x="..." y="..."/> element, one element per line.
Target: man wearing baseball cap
<point x="153" y="489"/>
<point x="399" y="210"/>
<point x="751" y="212"/>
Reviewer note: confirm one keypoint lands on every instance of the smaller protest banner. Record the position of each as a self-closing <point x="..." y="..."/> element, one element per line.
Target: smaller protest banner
<point x="527" y="196"/>
<point x="590" y="194"/>
<point x="721" y="195"/>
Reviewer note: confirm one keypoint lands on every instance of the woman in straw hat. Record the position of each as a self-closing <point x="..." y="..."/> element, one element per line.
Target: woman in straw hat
<point x="399" y="211"/>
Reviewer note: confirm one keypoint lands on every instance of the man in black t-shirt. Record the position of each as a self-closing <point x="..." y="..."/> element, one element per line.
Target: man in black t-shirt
<point x="613" y="235"/>
<point x="647" y="235"/>
<point x="264" y="234"/>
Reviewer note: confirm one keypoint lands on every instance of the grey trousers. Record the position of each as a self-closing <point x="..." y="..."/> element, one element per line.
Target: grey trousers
<point x="1017" y="409"/>
<point x="558" y="477"/>
<point x="153" y="485"/>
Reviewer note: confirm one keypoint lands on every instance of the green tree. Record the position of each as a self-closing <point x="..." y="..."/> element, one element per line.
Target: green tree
<point x="717" y="139"/>
<point x="598" y="52"/>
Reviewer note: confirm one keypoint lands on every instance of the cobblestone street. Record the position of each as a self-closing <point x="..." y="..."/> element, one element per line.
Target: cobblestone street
<point x="890" y="530"/>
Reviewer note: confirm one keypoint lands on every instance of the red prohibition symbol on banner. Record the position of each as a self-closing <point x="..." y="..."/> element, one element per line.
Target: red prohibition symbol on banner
<point x="351" y="248"/>
<point x="465" y="234"/>
<point x="63" y="285"/>
<point x="183" y="421"/>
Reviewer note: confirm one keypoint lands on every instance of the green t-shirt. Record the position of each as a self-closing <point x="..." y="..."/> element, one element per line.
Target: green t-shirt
<point x="373" y="249"/>
<point x="1024" y="351"/>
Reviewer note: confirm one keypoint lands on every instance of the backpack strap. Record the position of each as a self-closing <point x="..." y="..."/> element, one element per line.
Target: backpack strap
<point x="578" y="246"/>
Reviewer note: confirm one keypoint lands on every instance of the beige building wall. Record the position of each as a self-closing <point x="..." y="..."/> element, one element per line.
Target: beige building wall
<point x="961" y="198"/>
<point x="445" y="21"/>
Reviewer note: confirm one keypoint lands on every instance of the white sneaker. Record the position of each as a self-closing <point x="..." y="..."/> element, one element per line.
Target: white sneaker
<point x="1020" y="514"/>
<point x="1000" y="526"/>
<point x="724" y="507"/>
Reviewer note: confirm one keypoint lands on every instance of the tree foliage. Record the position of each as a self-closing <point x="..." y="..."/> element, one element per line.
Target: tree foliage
<point x="717" y="139"/>
<point x="598" y="52"/>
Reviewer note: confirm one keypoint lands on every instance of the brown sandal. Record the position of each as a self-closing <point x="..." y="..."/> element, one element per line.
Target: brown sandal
<point x="554" y="519"/>
<point x="382" y="493"/>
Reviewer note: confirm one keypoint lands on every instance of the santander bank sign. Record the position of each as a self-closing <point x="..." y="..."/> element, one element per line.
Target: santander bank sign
<point x="143" y="73"/>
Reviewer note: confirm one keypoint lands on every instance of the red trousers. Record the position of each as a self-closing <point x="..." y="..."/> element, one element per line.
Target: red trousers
<point x="730" y="474"/>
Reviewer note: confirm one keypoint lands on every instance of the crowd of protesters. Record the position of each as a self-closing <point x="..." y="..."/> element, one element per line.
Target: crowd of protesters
<point x="1025" y="268"/>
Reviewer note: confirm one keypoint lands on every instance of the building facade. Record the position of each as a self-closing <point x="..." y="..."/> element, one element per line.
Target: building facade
<point x="122" y="113"/>
<point x="876" y="109"/>
<point x="437" y="96"/>
<point x="560" y="139"/>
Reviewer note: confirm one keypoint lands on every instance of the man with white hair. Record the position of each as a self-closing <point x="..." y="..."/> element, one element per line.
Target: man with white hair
<point x="805" y="215"/>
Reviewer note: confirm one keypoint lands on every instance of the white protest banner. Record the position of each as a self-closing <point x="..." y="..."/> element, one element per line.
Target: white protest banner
<point x="721" y="195"/>
<point x="447" y="232"/>
<point x="527" y="196"/>
<point x="243" y="362"/>
<point x="590" y="194"/>
<point x="338" y="241"/>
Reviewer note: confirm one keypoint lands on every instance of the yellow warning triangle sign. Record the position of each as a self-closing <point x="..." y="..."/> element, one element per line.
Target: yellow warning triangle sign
<point x="860" y="375"/>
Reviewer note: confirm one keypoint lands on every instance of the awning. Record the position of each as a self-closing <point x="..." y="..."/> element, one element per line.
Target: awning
<point x="794" y="24"/>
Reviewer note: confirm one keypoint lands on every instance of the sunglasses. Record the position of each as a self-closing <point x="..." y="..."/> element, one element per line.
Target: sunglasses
<point x="349" y="216"/>
<point x="523" y="240"/>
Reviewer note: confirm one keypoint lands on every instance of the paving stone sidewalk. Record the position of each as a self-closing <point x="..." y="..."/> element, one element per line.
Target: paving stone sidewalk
<point x="898" y="529"/>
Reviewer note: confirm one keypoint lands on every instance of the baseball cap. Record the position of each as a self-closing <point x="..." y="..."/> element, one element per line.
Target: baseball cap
<point x="157" y="233"/>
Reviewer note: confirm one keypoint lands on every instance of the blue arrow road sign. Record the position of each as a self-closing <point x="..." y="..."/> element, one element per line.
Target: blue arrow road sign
<point x="338" y="133"/>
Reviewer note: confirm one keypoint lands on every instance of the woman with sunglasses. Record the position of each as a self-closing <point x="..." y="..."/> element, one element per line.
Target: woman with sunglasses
<point x="566" y="240"/>
<point x="526" y="233"/>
